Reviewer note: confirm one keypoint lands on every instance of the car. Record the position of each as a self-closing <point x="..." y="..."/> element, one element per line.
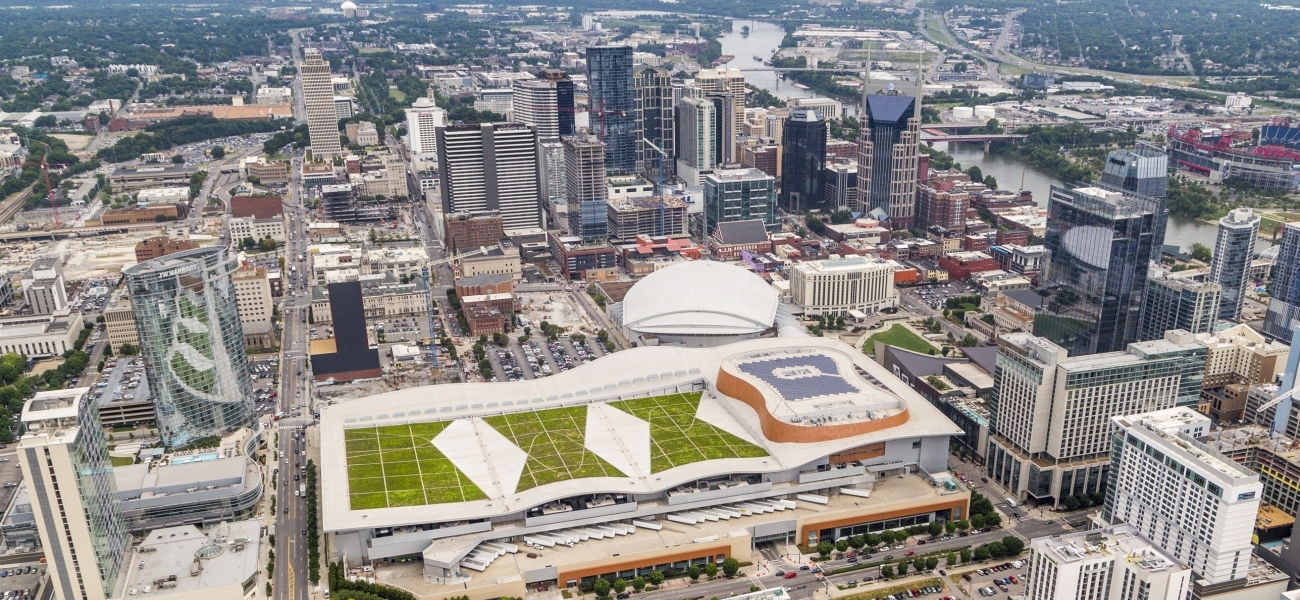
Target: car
<point x="966" y="576"/>
<point x="623" y="596"/>
<point x="889" y="557"/>
<point x="791" y="575"/>
<point x="942" y="572"/>
<point x="532" y="555"/>
<point x="1014" y="579"/>
<point x="853" y="561"/>
<point x="780" y="573"/>
<point x="804" y="568"/>
<point x="910" y="553"/>
<point x="304" y="532"/>
<point x="286" y="510"/>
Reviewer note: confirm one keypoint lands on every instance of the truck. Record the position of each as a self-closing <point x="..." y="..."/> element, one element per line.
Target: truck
<point x="302" y="490"/>
<point x="1011" y="502"/>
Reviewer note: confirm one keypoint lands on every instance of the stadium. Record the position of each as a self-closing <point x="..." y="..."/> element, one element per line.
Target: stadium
<point x="655" y="457"/>
<point x="703" y="303"/>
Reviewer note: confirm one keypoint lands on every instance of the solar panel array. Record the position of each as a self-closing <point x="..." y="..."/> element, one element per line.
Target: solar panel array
<point x="828" y="383"/>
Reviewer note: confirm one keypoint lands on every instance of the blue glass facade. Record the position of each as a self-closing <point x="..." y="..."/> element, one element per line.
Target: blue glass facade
<point x="1098" y="246"/>
<point x="803" y="158"/>
<point x="613" y="105"/>
<point x="1284" y="294"/>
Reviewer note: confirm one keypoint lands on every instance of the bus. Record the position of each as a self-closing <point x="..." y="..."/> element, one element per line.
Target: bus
<point x="1011" y="503"/>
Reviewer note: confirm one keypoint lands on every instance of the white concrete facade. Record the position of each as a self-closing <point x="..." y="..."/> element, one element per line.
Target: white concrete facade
<point x="835" y="287"/>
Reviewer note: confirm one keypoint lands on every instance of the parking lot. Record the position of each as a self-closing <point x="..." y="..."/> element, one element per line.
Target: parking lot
<point x="18" y="582"/>
<point x="123" y="379"/>
<point x="936" y="295"/>
<point x="539" y="357"/>
<point x="263" y="373"/>
<point x="996" y="580"/>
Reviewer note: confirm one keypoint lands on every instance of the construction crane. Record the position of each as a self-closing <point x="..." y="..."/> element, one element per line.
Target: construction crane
<point x="49" y="191"/>
<point x="659" y="185"/>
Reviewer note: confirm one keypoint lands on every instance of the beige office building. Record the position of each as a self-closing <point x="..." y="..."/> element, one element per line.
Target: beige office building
<point x="322" y="115"/>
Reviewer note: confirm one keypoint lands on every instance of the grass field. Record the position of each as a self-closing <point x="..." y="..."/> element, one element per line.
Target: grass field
<point x="397" y="94"/>
<point x="397" y="465"/>
<point x="553" y="440"/>
<point x="899" y="336"/>
<point x="1269" y="221"/>
<point x="122" y="461"/>
<point x="678" y="438"/>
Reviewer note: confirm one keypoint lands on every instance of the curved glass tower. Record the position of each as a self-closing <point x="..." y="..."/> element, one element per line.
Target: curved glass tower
<point x="193" y="343"/>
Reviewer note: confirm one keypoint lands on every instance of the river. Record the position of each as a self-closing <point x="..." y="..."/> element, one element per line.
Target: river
<point x="764" y="37"/>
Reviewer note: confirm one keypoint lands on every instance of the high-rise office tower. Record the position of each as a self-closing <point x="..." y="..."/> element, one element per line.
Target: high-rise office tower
<point x="64" y="460"/>
<point x="1178" y="303"/>
<point x="655" y="122"/>
<point x="726" y="86"/>
<point x="612" y="105"/>
<point x="546" y="103"/>
<point x="318" y="98"/>
<point x="1050" y="423"/>
<point x="696" y="139"/>
<point x="1194" y="503"/>
<point x="1098" y="243"/>
<point x="422" y="122"/>
<point x="803" y="159"/>
<point x="491" y="167"/>
<point x="187" y="315"/>
<point x="1230" y="266"/>
<point x="584" y="175"/>
<point x="550" y="161"/>
<point x="739" y="195"/>
<point x="1284" y="295"/>
<point x="1143" y="171"/>
<point x="888" y="156"/>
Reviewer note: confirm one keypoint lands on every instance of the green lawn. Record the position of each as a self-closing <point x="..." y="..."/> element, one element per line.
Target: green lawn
<point x="397" y="94"/>
<point x="397" y="465"/>
<point x="122" y="461"/>
<point x="553" y="440"/>
<point x="678" y="438"/>
<point x="899" y="336"/>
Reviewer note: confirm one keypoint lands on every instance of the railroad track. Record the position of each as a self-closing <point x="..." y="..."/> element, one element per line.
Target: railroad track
<point x="13" y="205"/>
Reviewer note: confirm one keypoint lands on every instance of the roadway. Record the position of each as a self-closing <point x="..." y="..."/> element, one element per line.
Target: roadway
<point x="291" y="551"/>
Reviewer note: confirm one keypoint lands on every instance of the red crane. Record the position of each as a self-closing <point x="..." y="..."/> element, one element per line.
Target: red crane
<point x="45" y="168"/>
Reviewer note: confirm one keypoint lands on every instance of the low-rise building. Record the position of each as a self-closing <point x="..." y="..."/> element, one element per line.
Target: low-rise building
<point x="184" y="562"/>
<point x="584" y="262"/>
<point x="44" y="291"/>
<point x="468" y="231"/>
<point x="140" y="177"/>
<point x="119" y="323"/>
<point x="39" y="336"/>
<point x="489" y="313"/>
<point x="160" y="245"/>
<point x="401" y="263"/>
<point x="485" y="284"/>
<point x="383" y="296"/>
<point x="267" y="172"/>
<point x="960" y="265"/>
<point x="138" y="215"/>
<point x="499" y="258"/>
<point x="256" y="306"/>
<point x="731" y="238"/>
<point x="845" y="286"/>
<point x="257" y="218"/>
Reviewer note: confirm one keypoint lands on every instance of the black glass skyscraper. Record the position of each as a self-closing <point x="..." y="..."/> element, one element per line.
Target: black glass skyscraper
<point x="612" y="105"/>
<point x="1145" y="172"/>
<point x="803" y="159"/>
<point x="1098" y="243"/>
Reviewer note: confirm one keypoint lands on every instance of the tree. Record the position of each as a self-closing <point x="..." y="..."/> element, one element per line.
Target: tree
<point x="178" y="159"/>
<point x="248" y="243"/>
<point x="842" y="546"/>
<point x="963" y="525"/>
<point x="711" y="569"/>
<point x="638" y="583"/>
<point x="694" y="572"/>
<point x="977" y="521"/>
<point x="857" y="542"/>
<point x="950" y="559"/>
<point x="969" y="341"/>
<point x="965" y="555"/>
<point x="657" y="577"/>
<point x="918" y="563"/>
<point x="902" y="567"/>
<point x="824" y="548"/>
<point x="730" y="567"/>
<point x="950" y="527"/>
<point x="1071" y="503"/>
<point x="887" y="537"/>
<point x="619" y="585"/>
<point x="975" y="174"/>
<point x="982" y="553"/>
<point x="218" y="152"/>
<point x="46" y="121"/>
<point x="1013" y="545"/>
<point x="873" y="540"/>
<point x="935" y="529"/>
<point x="601" y="587"/>
<point x="992" y="519"/>
<point x="129" y="350"/>
<point x="1201" y="252"/>
<point x="996" y="550"/>
<point x="990" y="180"/>
<point x="887" y="572"/>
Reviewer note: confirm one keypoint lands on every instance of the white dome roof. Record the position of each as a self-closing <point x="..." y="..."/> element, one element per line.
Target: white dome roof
<point x="349" y="5"/>
<point x="700" y="298"/>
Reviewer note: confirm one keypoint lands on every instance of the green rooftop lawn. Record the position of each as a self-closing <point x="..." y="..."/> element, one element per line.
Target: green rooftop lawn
<point x="397" y="465"/>
<point x="553" y="440"/>
<point x="678" y="438"/>
<point x="901" y="337"/>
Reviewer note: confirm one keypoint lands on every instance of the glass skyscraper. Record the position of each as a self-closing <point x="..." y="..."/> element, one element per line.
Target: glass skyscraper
<point x="803" y="159"/>
<point x="612" y="105"/>
<point x="1143" y="171"/>
<point x="1230" y="266"/>
<point x="1284" y="294"/>
<point x="1098" y="244"/>
<point x="584" y="174"/>
<point x="887" y="156"/>
<point x="193" y="343"/>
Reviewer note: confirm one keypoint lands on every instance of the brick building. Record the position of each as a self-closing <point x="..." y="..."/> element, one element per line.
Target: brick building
<point x="160" y="245"/>
<point x="466" y="231"/>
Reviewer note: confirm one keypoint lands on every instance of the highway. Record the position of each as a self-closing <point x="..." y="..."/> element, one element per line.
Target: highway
<point x="291" y="519"/>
